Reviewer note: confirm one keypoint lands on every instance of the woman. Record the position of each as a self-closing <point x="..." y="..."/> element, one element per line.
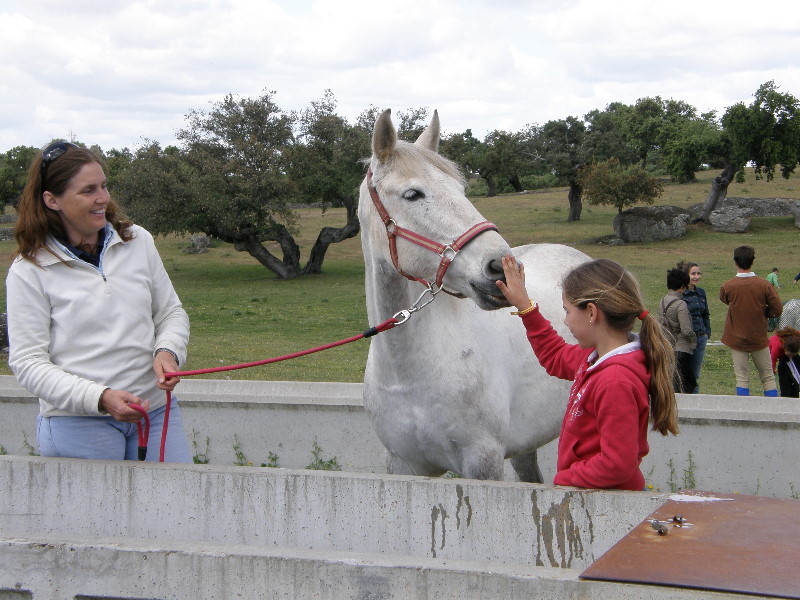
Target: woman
<point x="93" y="320"/>
<point x="620" y="379"/>
<point x="697" y="303"/>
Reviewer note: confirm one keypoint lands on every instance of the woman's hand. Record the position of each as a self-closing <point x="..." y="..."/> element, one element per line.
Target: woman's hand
<point x="116" y="403"/>
<point x="163" y="363"/>
<point x="514" y="286"/>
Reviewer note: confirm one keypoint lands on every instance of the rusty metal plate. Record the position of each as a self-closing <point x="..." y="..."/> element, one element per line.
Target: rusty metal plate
<point x="726" y="542"/>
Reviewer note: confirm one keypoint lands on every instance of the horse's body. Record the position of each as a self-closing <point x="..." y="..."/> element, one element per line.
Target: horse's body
<point x="456" y="387"/>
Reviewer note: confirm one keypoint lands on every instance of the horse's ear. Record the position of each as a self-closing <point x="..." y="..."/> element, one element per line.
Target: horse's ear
<point x="430" y="137"/>
<point x="384" y="137"/>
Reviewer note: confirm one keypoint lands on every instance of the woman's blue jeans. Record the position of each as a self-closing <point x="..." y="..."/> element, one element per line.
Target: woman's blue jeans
<point x="698" y="355"/>
<point x="107" y="439"/>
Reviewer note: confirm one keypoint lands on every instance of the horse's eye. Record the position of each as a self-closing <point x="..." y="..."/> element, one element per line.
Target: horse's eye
<point x="413" y="194"/>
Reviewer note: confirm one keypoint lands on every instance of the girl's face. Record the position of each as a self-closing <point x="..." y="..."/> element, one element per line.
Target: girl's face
<point x="577" y="320"/>
<point x="694" y="275"/>
<point x="82" y="206"/>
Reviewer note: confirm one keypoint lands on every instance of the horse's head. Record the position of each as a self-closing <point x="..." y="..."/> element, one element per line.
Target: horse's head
<point x="415" y="215"/>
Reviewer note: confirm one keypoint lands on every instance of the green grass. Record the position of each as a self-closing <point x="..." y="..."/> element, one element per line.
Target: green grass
<point x="241" y="313"/>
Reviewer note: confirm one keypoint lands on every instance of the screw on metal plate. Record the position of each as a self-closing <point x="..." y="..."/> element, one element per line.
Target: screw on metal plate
<point x="660" y="526"/>
<point x="663" y="527"/>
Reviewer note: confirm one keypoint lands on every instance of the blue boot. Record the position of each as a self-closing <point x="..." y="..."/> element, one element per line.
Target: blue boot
<point x="771" y="393"/>
<point x="742" y="391"/>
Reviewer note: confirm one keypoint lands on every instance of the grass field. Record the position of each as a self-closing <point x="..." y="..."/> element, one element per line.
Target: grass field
<point x="241" y="313"/>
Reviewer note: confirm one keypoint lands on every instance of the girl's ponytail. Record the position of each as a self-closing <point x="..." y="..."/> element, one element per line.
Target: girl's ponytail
<point x="660" y="359"/>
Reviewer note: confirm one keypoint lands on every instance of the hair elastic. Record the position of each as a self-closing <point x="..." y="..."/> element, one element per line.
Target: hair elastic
<point x="643" y="314"/>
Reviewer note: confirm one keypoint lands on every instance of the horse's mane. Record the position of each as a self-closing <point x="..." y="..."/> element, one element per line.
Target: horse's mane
<point x="407" y="156"/>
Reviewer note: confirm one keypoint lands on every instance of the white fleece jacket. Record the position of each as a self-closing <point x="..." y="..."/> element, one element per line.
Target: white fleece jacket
<point x="75" y="329"/>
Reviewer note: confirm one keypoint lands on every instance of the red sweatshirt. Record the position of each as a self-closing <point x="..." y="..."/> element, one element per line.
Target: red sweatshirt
<point x="604" y="431"/>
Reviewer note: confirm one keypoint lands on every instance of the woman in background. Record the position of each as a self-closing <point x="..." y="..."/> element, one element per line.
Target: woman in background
<point x="696" y="301"/>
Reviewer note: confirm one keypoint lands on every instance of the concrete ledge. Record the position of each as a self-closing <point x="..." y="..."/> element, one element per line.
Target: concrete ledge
<point x="112" y="529"/>
<point x="728" y="444"/>
<point x="67" y="569"/>
<point x="146" y="530"/>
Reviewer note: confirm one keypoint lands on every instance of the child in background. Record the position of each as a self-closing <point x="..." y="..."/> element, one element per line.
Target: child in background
<point x="620" y="379"/>
<point x="677" y="320"/>
<point x="783" y="348"/>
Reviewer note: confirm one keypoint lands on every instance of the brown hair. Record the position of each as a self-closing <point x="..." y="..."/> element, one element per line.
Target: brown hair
<point x="35" y="221"/>
<point x="616" y="292"/>
<point x="790" y="339"/>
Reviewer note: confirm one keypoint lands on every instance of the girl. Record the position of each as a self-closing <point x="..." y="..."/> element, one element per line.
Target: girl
<point x="619" y="377"/>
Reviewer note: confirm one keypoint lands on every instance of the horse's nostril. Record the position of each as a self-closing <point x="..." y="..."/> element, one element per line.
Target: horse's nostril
<point x="496" y="269"/>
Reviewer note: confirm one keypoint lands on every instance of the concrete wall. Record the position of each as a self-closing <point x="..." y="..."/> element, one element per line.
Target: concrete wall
<point x="728" y="443"/>
<point x="111" y="529"/>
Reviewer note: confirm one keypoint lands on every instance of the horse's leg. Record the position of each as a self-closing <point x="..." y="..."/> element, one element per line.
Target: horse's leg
<point x="396" y="465"/>
<point x="527" y="468"/>
<point x="483" y="463"/>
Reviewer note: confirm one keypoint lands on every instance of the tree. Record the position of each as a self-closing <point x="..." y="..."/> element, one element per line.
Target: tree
<point x="689" y="144"/>
<point x="643" y="123"/>
<point x="468" y="151"/>
<point x="562" y="145"/>
<point x="611" y="183"/>
<point x="323" y="164"/>
<point x="230" y="180"/>
<point x="14" y="166"/>
<point x="766" y="133"/>
<point x="503" y="156"/>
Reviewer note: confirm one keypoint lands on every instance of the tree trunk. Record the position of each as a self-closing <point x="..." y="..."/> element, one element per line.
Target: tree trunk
<point x="515" y="183"/>
<point x="491" y="186"/>
<point x="719" y="189"/>
<point x="575" y="203"/>
<point x="333" y="235"/>
<point x="252" y="241"/>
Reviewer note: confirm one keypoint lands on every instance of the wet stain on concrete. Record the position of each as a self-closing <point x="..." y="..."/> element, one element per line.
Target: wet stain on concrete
<point x="437" y="512"/>
<point x="463" y="501"/>
<point x="559" y="537"/>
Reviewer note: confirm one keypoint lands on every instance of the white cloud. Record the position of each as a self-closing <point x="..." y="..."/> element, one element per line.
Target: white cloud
<point x="113" y="73"/>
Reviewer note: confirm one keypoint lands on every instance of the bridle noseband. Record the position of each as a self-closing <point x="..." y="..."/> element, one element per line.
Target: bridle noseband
<point x="447" y="252"/>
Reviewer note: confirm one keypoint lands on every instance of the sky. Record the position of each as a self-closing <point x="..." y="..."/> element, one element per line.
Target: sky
<point x="116" y="73"/>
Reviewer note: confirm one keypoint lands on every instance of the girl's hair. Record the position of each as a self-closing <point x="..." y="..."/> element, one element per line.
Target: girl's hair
<point x="35" y="221"/>
<point x="790" y="338"/>
<point x="616" y="292"/>
<point x="686" y="265"/>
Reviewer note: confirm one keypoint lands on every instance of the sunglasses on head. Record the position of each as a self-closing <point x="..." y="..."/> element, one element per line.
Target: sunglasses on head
<point x="52" y="152"/>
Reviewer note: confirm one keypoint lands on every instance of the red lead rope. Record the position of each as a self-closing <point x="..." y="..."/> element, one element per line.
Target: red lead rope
<point x="144" y="433"/>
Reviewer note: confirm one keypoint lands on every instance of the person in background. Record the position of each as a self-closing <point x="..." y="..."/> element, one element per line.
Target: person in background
<point x="697" y="302"/>
<point x="751" y="301"/>
<point x="620" y="379"/>
<point x="773" y="278"/>
<point x="796" y="279"/>
<point x="677" y="322"/>
<point x="784" y="347"/>
<point x="94" y="323"/>
<point x="772" y="322"/>
<point x="790" y="317"/>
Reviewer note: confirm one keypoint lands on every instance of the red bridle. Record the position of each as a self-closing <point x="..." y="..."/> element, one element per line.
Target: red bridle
<point x="447" y="252"/>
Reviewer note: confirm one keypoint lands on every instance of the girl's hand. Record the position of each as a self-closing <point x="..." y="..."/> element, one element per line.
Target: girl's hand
<point x="514" y="286"/>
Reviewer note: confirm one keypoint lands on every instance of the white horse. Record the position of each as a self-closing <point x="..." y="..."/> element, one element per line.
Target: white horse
<point x="456" y="386"/>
